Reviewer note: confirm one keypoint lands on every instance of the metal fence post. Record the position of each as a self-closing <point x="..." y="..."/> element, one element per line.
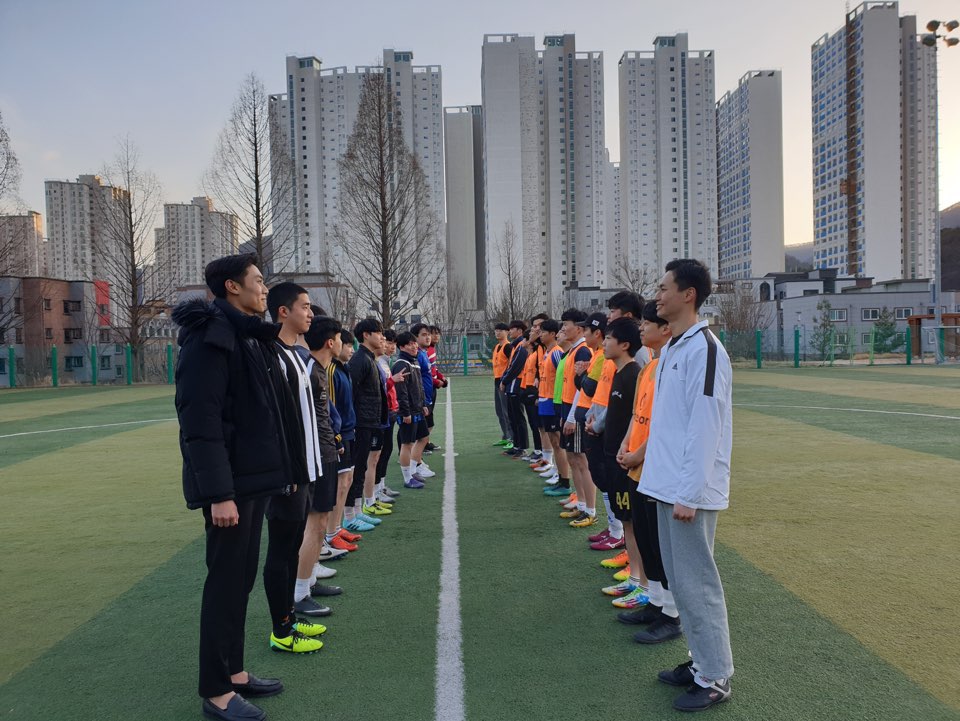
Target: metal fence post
<point x="169" y="364"/>
<point x="723" y="337"/>
<point x="796" y="347"/>
<point x="759" y="349"/>
<point x="833" y="344"/>
<point x="465" y="358"/>
<point x="909" y="340"/>
<point x="12" y="365"/>
<point x="940" y="342"/>
<point x="128" y="354"/>
<point x="94" y="371"/>
<point x="873" y="331"/>
<point x="54" y="370"/>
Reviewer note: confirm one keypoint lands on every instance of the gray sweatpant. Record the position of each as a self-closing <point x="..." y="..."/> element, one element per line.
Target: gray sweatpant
<point x="687" y="552"/>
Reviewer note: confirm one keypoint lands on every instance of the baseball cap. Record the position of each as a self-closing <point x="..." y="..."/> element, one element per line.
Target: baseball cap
<point x="595" y="321"/>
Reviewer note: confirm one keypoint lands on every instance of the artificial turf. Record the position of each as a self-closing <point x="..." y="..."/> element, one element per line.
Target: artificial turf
<point x="838" y="568"/>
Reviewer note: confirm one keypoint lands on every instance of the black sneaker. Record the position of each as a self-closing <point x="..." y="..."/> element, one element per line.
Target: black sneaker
<point x="309" y="607"/>
<point x="319" y="589"/>
<point x="698" y="698"/>
<point x="664" y="629"/>
<point x="433" y="447"/>
<point x="682" y="675"/>
<point x="641" y="616"/>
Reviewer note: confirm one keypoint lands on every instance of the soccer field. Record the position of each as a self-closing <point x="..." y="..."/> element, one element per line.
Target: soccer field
<point x="839" y="556"/>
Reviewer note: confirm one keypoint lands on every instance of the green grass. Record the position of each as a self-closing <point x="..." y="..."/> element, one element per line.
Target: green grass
<point x="837" y="556"/>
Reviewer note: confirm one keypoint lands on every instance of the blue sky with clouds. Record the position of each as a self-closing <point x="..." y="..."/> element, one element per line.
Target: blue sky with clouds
<point x="74" y="76"/>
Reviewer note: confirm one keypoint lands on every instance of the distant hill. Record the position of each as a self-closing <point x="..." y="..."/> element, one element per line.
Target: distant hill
<point x="950" y="217"/>
<point x="798" y="258"/>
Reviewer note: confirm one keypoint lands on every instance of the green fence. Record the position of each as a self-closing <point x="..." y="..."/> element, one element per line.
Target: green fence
<point x="83" y="364"/>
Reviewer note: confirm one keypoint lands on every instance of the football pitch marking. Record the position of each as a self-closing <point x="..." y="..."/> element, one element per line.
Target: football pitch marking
<point x="449" y="703"/>
<point x="87" y="428"/>
<point x="848" y="410"/>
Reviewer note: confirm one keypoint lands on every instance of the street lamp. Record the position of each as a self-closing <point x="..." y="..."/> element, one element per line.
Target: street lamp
<point x="930" y="40"/>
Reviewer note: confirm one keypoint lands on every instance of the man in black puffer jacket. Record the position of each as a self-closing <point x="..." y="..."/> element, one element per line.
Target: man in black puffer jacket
<point x="230" y="403"/>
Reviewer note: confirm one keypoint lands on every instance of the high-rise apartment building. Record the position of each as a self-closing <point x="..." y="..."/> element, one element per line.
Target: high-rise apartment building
<point x="750" y="177"/>
<point x="311" y="125"/>
<point x="82" y="222"/>
<point x="544" y="160"/>
<point x="193" y="234"/>
<point x="874" y="105"/>
<point x="466" y="245"/>
<point x="668" y="155"/>
<point x="23" y="250"/>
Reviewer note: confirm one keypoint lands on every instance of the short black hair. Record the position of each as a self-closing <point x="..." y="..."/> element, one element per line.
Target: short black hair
<point x="573" y="314"/>
<point x="390" y="334"/>
<point x="416" y="328"/>
<point x="283" y="295"/>
<point x="230" y="267"/>
<point x="317" y="310"/>
<point x="434" y="329"/>
<point x="405" y="338"/>
<point x="650" y="313"/>
<point x="538" y="316"/>
<point x="365" y="326"/>
<point x="626" y="301"/>
<point x="322" y="329"/>
<point x="501" y="326"/>
<point x="347" y="337"/>
<point x="691" y="273"/>
<point x="625" y="330"/>
<point x="518" y="325"/>
<point x="550" y="326"/>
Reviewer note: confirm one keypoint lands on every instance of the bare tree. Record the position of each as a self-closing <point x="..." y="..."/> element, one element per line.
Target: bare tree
<point x="741" y="316"/>
<point x="517" y="296"/>
<point x="124" y="245"/>
<point x="9" y="192"/>
<point x="252" y="183"/>
<point x="386" y="242"/>
<point x="640" y="278"/>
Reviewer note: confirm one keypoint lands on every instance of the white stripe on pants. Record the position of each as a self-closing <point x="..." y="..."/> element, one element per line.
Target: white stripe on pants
<point x="687" y="553"/>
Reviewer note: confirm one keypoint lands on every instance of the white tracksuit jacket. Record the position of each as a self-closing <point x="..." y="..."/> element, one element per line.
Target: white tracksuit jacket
<point x="691" y="427"/>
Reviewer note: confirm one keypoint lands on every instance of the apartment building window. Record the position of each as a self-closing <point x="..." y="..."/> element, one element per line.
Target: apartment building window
<point x="18" y="306"/>
<point x="48" y="333"/>
<point x="18" y="338"/>
<point x="902" y="313"/>
<point x="73" y="362"/>
<point x="106" y="362"/>
<point x="72" y="334"/>
<point x="870" y="314"/>
<point x="838" y="315"/>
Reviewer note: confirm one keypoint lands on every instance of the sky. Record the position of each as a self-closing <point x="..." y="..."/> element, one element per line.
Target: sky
<point x="76" y="76"/>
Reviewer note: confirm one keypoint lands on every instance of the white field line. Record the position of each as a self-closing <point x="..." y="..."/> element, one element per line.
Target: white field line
<point x="86" y="428"/>
<point x="449" y="702"/>
<point x="848" y="410"/>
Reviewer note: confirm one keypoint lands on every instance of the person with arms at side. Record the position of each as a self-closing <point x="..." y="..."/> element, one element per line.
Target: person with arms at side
<point x="411" y="407"/>
<point x="231" y="439"/>
<point x="510" y="383"/>
<point x="439" y="380"/>
<point x="385" y="494"/>
<point x="687" y="469"/>
<point x="499" y="360"/>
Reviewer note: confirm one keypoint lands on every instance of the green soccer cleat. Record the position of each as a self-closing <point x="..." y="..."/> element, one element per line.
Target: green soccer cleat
<point x="296" y="642"/>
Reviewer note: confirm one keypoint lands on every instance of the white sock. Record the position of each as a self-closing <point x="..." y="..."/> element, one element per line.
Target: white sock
<point x="370" y="501"/>
<point x="302" y="588"/>
<point x="316" y="572"/>
<point x="591" y="511"/>
<point x="407" y="472"/>
<point x="636" y="582"/>
<point x="655" y="593"/>
<point x="412" y="468"/>
<point x="548" y="456"/>
<point x="380" y="486"/>
<point x="669" y="605"/>
<point x="582" y="506"/>
<point x="349" y="513"/>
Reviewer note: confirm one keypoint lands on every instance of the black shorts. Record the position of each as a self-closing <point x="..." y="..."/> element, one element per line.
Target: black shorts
<point x="376" y="439"/>
<point x="325" y="489"/>
<point x="574" y="443"/>
<point x="408" y="433"/>
<point x="429" y="420"/>
<point x="550" y="424"/>
<point x="643" y="510"/>
<point x="346" y="458"/>
<point x="596" y="461"/>
<point x="618" y="485"/>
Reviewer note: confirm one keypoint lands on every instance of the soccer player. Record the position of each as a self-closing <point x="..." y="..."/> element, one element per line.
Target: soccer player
<point x="233" y="459"/>
<point x="510" y="385"/>
<point x="578" y="362"/>
<point x="323" y="340"/>
<point x="660" y="616"/>
<point x="687" y="469"/>
<point x="439" y="380"/>
<point x="289" y="305"/>
<point x="411" y="408"/>
<point x="529" y="380"/>
<point x="341" y="394"/>
<point x="385" y="494"/>
<point x="370" y="404"/>
<point x="627" y="304"/>
<point x="562" y="485"/>
<point x="500" y="359"/>
<point x="555" y="457"/>
<point x="424" y="338"/>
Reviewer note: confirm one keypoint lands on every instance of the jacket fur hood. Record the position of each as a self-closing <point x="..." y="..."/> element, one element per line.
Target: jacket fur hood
<point x="220" y="323"/>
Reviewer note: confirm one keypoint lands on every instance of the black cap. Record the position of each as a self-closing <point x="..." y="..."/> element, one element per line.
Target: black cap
<point x="595" y="321"/>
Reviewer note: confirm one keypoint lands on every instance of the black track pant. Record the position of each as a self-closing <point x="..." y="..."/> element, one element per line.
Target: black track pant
<point x="518" y="423"/>
<point x="533" y="416"/>
<point x="280" y="572"/>
<point x="233" y="555"/>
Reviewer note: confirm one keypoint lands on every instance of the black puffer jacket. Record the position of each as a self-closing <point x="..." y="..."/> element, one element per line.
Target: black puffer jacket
<point x="227" y="377"/>
<point x="410" y="398"/>
<point x="369" y="395"/>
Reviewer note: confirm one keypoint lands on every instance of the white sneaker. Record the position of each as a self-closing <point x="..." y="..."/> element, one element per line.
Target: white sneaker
<point x="570" y="506"/>
<point x="548" y="474"/>
<point x="548" y="469"/>
<point x="552" y="480"/>
<point x="331" y="554"/>
<point x="320" y="571"/>
<point x="425" y="472"/>
<point x="423" y="464"/>
<point x="385" y="497"/>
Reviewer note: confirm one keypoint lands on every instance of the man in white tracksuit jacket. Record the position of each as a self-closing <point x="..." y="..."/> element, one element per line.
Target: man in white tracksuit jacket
<point x="687" y="469"/>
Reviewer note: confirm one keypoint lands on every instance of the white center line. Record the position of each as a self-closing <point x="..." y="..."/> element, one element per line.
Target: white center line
<point x="85" y="428"/>
<point x="449" y="690"/>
